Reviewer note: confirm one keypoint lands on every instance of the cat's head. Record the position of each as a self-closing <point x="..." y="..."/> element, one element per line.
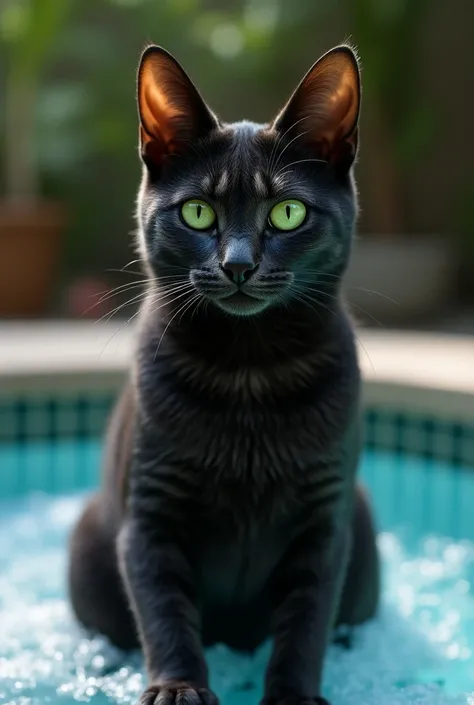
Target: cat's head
<point x="248" y="216"/>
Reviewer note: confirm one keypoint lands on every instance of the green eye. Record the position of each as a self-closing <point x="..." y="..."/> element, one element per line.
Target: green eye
<point x="287" y="215"/>
<point x="198" y="214"/>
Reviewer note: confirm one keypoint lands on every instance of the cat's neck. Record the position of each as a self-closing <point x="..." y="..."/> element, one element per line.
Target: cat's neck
<point x="281" y="345"/>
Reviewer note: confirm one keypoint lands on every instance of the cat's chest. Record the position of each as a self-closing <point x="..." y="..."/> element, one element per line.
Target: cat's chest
<point x="244" y="461"/>
<point x="246" y="526"/>
<point x="242" y="457"/>
<point x="235" y="561"/>
<point x="245" y="454"/>
<point x="245" y="439"/>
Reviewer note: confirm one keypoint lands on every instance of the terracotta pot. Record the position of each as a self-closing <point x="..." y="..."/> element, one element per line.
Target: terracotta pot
<point x="29" y="253"/>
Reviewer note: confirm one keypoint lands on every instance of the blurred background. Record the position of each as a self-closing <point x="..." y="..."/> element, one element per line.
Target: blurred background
<point x="69" y="166"/>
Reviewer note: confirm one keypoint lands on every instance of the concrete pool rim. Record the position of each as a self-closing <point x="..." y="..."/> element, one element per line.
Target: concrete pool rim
<point x="426" y="378"/>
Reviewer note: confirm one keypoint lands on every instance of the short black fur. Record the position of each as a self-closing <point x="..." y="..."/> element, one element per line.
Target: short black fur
<point x="229" y="509"/>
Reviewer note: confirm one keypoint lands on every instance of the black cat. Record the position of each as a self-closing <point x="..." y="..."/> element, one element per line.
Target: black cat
<point x="229" y="510"/>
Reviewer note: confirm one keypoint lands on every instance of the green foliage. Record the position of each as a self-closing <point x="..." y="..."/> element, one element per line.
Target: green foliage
<point x="29" y="29"/>
<point x="388" y="36"/>
<point x="78" y="59"/>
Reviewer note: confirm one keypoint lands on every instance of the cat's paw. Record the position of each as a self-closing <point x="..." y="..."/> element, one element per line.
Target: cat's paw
<point x="294" y="700"/>
<point x="175" y="693"/>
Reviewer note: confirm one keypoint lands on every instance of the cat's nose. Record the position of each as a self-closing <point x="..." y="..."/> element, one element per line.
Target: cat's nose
<point x="238" y="263"/>
<point x="238" y="272"/>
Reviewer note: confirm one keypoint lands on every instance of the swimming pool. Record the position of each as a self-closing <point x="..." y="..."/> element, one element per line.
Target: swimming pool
<point x="420" y="650"/>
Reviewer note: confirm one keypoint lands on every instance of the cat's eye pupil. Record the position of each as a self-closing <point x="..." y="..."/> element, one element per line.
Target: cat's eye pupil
<point x="198" y="214"/>
<point x="287" y="215"/>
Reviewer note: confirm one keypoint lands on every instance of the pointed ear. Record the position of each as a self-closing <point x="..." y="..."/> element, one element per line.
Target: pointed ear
<point x="324" y="109"/>
<point x="172" y="113"/>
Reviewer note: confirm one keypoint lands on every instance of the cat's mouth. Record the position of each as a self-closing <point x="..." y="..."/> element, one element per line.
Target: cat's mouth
<point x="242" y="304"/>
<point x="248" y="299"/>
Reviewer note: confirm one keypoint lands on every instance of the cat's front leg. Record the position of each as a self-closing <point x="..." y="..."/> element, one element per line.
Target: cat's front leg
<point x="162" y="592"/>
<point x="306" y="595"/>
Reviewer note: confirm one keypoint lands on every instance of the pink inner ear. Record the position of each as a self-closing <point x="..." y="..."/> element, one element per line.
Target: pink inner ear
<point x="153" y="149"/>
<point x="158" y="115"/>
<point x="345" y="113"/>
<point x="325" y="106"/>
<point x="333" y="104"/>
<point x="172" y="113"/>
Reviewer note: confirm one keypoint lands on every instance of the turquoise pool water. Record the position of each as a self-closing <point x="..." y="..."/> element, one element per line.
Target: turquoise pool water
<point x="420" y="650"/>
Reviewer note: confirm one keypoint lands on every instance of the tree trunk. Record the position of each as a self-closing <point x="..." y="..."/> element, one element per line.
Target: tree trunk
<point x="384" y="205"/>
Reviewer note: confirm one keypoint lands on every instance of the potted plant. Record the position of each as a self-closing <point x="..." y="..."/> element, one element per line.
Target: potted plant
<point x="415" y="271"/>
<point x="30" y="225"/>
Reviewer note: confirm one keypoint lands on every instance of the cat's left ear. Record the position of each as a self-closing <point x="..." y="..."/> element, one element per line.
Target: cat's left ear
<point x="323" y="111"/>
<point x="172" y="113"/>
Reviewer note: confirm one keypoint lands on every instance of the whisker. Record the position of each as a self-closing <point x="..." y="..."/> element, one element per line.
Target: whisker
<point x="352" y="305"/>
<point x="282" y="137"/>
<point x="304" y="294"/>
<point x="365" y="350"/>
<point x="127" y="322"/>
<point x="110" y="314"/>
<point x="358" y="288"/>
<point x="377" y="293"/>
<point x="172" y="276"/>
<point x="127" y="271"/>
<point x="293" y="139"/>
<point x="134" y="261"/>
<point x="183" y="312"/>
<point x="153" y="299"/>
<point x="123" y="286"/>
<point x="298" y="161"/>
<point x="321" y="273"/>
<point x="173" y="287"/>
<point x="131" y="285"/>
<point x="124" y="271"/>
<point x="168" y="303"/>
<point x="305" y="289"/>
<point x="110" y="293"/>
<point x="104" y="295"/>
<point x="143" y="294"/>
<point x="366" y="313"/>
<point x="197" y="307"/>
<point x="167" y="276"/>
<point x="180" y="308"/>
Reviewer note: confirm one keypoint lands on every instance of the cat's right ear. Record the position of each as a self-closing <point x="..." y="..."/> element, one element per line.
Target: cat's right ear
<point x="323" y="111"/>
<point x="172" y="113"/>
